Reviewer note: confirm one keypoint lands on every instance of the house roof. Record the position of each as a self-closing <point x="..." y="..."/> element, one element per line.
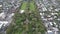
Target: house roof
<point x="21" y="11"/>
<point x="4" y="23"/>
<point x="0" y="5"/>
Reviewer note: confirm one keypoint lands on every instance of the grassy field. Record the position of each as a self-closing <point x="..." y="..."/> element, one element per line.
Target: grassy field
<point x="24" y="5"/>
<point x="32" y="6"/>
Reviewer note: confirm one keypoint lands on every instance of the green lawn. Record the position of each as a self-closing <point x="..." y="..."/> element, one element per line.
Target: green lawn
<point x="32" y="6"/>
<point x="24" y="5"/>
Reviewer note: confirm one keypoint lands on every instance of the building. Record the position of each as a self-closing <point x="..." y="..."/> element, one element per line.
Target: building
<point x="3" y="23"/>
<point x="50" y="32"/>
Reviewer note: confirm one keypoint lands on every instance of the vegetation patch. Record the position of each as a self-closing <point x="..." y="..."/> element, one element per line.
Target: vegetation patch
<point x="32" y="6"/>
<point x="24" y="4"/>
<point x="27" y="22"/>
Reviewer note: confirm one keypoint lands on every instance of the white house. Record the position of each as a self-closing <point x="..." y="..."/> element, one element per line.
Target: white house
<point x="3" y="23"/>
<point x="2" y="15"/>
<point x="42" y="17"/>
<point x="56" y="10"/>
<point x="52" y="14"/>
<point x="51" y="7"/>
<point x="11" y="15"/>
<point x="21" y="11"/>
<point x="50" y="32"/>
<point x="50" y="23"/>
<point x="49" y="16"/>
<point x="44" y="9"/>
<point x="41" y="13"/>
<point x="55" y="16"/>
<point x="0" y="5"/>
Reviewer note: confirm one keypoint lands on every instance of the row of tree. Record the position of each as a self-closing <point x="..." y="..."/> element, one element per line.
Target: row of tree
<point x="28" y="22"/>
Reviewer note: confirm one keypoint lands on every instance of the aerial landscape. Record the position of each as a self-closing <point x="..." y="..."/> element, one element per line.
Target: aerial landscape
<point x="29" y="16"/>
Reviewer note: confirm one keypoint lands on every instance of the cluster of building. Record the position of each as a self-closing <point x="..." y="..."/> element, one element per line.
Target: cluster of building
<point x="7" y="9"/>
<point x="49" y="12"/>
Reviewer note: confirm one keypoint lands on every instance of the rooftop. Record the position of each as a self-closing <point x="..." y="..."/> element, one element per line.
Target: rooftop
<point x="3" y="23"/>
